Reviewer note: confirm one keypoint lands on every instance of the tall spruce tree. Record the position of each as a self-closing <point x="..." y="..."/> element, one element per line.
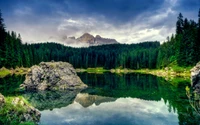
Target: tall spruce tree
<point x="198" y="38"/>
<point x="2" y="40"/>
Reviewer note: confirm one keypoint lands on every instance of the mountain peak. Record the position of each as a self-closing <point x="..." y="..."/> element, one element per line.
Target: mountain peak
<point x="98" y="36"/>
<point x="86" y="37"/>
<point x="97" y="40"/>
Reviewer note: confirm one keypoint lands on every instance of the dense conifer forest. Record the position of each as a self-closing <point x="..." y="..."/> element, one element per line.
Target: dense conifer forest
<point x="181" y="49"/>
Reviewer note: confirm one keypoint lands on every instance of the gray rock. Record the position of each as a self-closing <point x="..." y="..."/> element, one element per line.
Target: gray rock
<point x="52" y="76"/>
<point x="195" y="77"/>
<point x="30" y="113"/>
<point x="2" y="100"/>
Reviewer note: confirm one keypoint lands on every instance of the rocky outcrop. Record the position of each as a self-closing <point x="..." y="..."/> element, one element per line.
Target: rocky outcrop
<point x="195" y="77"/>
<point x="2" y="100"/>
<point x="52" y="76"/>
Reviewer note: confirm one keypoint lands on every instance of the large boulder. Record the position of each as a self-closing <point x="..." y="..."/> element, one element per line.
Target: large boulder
<point x="195" y="77"/>
<point x="52" y="76"/>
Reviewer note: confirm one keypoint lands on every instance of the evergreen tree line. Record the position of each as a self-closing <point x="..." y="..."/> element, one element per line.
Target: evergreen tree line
<point x="182" y="48"/>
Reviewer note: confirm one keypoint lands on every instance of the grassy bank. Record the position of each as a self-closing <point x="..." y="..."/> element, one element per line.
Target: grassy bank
<point x="168" y="72"/>
<point x="174" y="71"/>
<point x="93" y="70"/>
<point x="18" y="71"/>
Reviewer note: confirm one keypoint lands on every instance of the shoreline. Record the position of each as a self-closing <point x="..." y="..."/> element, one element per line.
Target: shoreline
<point x="167" y="72"/>
<point x="17" y="71"/>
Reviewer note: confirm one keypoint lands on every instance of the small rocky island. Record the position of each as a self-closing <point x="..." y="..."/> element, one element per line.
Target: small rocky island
<point x="52" y="76"/>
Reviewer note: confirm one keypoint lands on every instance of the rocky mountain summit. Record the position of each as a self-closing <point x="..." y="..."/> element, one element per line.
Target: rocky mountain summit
<point x="98" y="40"/>
<point x="89" y="39"/>
<point x="52" y="76"/>
<point x="195" y="77"/>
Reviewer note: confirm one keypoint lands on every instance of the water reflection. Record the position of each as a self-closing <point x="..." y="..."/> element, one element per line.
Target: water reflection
<point x="45" y="100"/>
<point x="129" y="85"/>
<point x="194" y="99"/>
<point x="9" y="85"/>
<point x="87" y="100"/>
<point x="126" y="99"/>
<point x="123" y="111"/>
<point x="114" y="99"/>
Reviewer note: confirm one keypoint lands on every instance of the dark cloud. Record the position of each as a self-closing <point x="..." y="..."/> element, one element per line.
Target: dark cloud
<point x="189" y="8"/>
<point x="187" y="5"/>
<point x="120" y="19"/>
<point x="113" y="10"/>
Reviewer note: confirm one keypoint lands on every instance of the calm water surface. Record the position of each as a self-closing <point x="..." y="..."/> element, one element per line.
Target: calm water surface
<point x="117" y="99"/>
<point x="131" y="99"/>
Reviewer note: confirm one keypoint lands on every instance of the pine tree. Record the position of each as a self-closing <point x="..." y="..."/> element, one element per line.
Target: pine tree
<point x="198" y="38"/>
<point x="179" y="24"/>
<point x="2" y="41"/>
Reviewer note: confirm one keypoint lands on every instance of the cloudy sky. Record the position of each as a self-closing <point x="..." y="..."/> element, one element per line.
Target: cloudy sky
<point x="128" y="21"/>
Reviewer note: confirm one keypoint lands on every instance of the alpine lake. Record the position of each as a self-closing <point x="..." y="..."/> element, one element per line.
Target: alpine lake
<point x="114" y="99"/>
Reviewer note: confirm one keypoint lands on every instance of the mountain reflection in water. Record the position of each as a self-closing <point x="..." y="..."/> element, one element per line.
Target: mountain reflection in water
<point x="113" y="99"/>
<point x="126" y="99"/>
<point x="128" y="111"/>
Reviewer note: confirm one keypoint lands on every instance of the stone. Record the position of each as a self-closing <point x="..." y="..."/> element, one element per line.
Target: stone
<point x="2" y="100"/>
<point x="195" y="77"/>
<point x="30" y="113"/>
<point x="52" y="76"/>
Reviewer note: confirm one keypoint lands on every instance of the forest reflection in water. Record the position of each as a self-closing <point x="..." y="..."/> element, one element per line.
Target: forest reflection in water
<point x="113" y="99"/>
<point x="127" y="99"/>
